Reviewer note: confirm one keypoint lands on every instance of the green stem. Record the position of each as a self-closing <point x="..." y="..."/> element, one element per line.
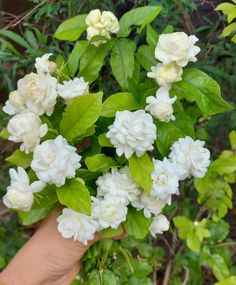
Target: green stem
<point x="230" y="243"/>
<point x="126" y="256"/>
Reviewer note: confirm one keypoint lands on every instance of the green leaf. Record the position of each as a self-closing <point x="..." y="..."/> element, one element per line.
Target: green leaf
<point x="108" y="278"/>
<point x="15" y="38"/>
<point x="99" y="162"/>
<point x="216" y="262"/>
<point x="3" y="262"/>
<point x="215" y="194"/>
<point x="228" y="281"/>
<point x="20" y="158"/>
<point x="94" y="278"/>
<point x="122" y="61"/>
<point x="219" y="230"/>
<point x="141" y="268"/>
<point x="133" y="280"/>
<point x="231" y="28"/>
<point x="136" y="224"/>
<point x="86" y="175"/>
<point x="111" y="233"/>
<point x="139" y="17"/>
<point x="152" y="37"/>
<point x="80" y="115"/>
<point x="30" y="37"/>
<point x="76" y="196"/>
<point x="145" y="56"/>
<point x="184" y="226"/>
<point x="92" y="61"/>
<point x="71" y="29"/>
<point x="35" y="215"/>
<point x="45" y="198"/>
<point x="4" y="134"/>
<point x="198" y="86"/>
<point x="193" y="233"/>
<point x="75" y="55"/>
<point x="167" y="134"/>
<point x="185" y="124"/>
<point x="225" y="163"/>
<point x="226" y="8"/>
<point x="141" y="169"/>
<point x="104" y="141"/>
<point x="232" y="138"/>
<point x="118" y="102"/>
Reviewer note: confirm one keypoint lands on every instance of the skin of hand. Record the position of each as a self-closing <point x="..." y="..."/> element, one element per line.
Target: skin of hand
<point x="47" y="258"/>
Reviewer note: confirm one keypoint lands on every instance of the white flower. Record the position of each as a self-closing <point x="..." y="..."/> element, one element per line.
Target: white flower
<point x="118" y="184"/>
<point x="26" y="127"/>
<point x="94" y="19"/>
<point x="110" y="22"/>
<point x="165" y="179"/>
<point x="150" y="205"/>
<point x="160" y="106"/>
<point x="39" y="92"/>
<point x="159" y="225"/>
<point x="102" y="24"/>
<point x="108" y="213"/>
<point x="132" y="132"/>
<point x="15" y="104"/>
<point x="73" y="88"/>
<point x="43" y="65"/>
<point x="19" y="194"/>
<point x="177" y="47"/>
<point x="191" y="157"/>
<point x="79" y="226"/>
<point x="166" y="74"/>
<point x="55" y="160"/>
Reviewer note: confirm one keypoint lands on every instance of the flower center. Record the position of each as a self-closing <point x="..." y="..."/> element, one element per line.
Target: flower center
<point x="161" y="179"/>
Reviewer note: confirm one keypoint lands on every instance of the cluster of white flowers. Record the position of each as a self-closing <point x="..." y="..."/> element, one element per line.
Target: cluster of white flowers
<point x="187" y="157"/>
<point x="35" y="96"/>
<point x="174" y="50"/>
<point x="53" y="160"/>
<point x="132" y="133"/>
<point x="101" y="24"/>
<point x="115" y="190"/>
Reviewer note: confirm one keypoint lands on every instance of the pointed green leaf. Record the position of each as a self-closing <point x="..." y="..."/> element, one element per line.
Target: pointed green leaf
<point x="80" y="115"/>
<point x="140" y="16"/>
<point x="76" y="196"/>
<point x="141" y="169"/>
<point x="122" y="61"/>
<point x="136" y="224"/>
<point x="118" y="102"/>
<point x="71" y="29"/>
<point x="92" y="61"/>
<point x="99" y="162"/>
<point x="198" y="86"/>
<point x="20" y="158"/>
<point x="75" y="55"/>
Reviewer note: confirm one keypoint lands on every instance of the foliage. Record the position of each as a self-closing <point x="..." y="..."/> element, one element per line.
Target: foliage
<point x="203" y="246"/>
<point x="229" y="9"/>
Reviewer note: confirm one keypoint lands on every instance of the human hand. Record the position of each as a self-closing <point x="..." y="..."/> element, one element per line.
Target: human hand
<point x="47" y="258"/>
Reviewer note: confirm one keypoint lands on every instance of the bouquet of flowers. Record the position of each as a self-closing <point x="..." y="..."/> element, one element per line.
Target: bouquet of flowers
<point x="113" y="161"/>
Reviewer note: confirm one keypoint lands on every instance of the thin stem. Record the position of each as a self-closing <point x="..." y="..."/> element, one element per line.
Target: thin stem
<point x="230" y="243"/>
